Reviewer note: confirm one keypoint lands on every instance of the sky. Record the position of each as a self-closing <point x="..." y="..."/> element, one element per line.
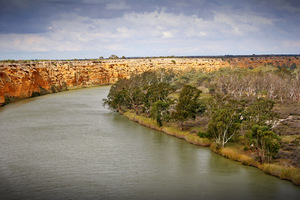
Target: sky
<point x="70" y="29"/>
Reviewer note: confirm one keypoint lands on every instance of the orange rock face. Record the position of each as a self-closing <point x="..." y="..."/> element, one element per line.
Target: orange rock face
<point x="23" y="80"/>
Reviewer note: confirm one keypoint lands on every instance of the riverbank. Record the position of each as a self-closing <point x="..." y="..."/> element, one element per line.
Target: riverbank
<point x="234" y="152"/>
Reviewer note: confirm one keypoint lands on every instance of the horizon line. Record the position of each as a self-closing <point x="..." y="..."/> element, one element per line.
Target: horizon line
<point x="172" y="56"/>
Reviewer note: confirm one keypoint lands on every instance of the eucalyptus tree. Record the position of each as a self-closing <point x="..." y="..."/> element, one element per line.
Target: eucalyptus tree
<point x="117" y="96"/>
<point x="158" y="91"/>
<point x="159" y="111"/>
<point x="225" y="119"/>
<point x="188" y="105"/>
<point x="265" y="141"/>
<point x="260" y="113"/>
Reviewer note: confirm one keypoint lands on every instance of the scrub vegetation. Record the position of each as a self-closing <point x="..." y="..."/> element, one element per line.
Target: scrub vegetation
<point x="248" y="115"/>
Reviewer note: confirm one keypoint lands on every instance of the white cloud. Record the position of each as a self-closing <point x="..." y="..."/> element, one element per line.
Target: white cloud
<point x="292" y="44"/>
<point x="240" y="23"/>
<point x="167" y="34"/>
<point x="22" y="42"/>
<point x="148" y="33"/>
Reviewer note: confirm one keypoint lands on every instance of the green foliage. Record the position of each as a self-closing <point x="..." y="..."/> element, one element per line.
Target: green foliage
<point x="113" y="57"/>
<point x="188" y="105"/>
<point x="117" y="98"/>
<point x="159" y="111"/>
<point x="202" y="134"/>
<point x="8" y="99"/>
<point x="64" y="86"/>
<point x="225" y="119"/>
<point x="140" y="92"/>
<point x="293" y="66"/>
<point x="249" y="122"/>
<point x="54" y="89"/>
<point x="265" y="141"/>
<point x="35" y="94"/>
<point x="260" y="113"/>
<point x="211" y="90"/>
<point x="192" y="77"/>
<point x="158" y="91"/>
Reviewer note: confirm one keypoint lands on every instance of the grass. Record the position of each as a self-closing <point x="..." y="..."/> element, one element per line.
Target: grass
<point x="145" y="121"/>
<point x="288" y="138"/>
<point x="170" y="130"/>
<point x="187" y="136"/>
<point x="232" y="151"/>
<point x="283" y="172"/>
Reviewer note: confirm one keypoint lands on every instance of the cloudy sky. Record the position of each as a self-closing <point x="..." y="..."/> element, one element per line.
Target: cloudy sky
<point x="66" y="29"/>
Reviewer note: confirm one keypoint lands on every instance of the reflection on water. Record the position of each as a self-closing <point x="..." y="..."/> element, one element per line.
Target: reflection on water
<point x="68" y="146"/>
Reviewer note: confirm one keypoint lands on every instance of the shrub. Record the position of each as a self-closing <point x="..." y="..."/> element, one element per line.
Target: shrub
<point x="64" y="86"/>
<point x="211" y="90"/>
<point x="246" y="148"/>
<point x="54" y="89"/>
<point x="35" y="94"/>
<point x="8" y="99"/>
<point x="203" y="134"/>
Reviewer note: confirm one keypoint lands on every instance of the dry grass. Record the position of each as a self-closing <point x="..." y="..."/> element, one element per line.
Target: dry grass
<point x="187" y="136"/>
<point x="235" y="154"/>
<point x="288" y="138"/>
<point x="283" y="172"/>
<point x="145" y="121"/>
<point x="231" y="151"/>
<point x="170" y="130"/>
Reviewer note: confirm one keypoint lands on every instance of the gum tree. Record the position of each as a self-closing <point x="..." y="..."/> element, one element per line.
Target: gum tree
<point x="225" y="119"/>
<point x="265" y="141"/>
<point x="188" y="105"/>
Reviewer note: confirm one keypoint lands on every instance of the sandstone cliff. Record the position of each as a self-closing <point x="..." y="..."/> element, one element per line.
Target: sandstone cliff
<point x="22" y="80"/>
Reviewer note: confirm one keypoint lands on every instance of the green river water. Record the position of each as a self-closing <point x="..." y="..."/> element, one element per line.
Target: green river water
<point x="68" y="146"/>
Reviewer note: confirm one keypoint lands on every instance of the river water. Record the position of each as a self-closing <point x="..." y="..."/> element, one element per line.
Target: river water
<point x="68" y="146"/>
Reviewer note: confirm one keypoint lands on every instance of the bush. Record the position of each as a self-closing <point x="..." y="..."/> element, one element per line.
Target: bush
<point x="35" y="94"/>
<point x="246" y="148"/>
<point x="8" y="99"/>
<point x="43" y="91"/>
<point x="54" y="88"/>
<point x="64" y="86"/>
<point x="203" y="134"/>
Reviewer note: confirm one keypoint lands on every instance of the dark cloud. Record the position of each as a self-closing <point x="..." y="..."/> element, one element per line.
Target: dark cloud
<point x="34" y="16"/>
<point x="25" y="16"/>
<point x="193" y="26"/>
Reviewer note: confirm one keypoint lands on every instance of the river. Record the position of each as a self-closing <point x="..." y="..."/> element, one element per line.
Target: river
<point x="68" y="146"/>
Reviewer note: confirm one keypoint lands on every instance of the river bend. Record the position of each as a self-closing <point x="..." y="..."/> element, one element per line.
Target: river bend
<point x="68" y="146"/>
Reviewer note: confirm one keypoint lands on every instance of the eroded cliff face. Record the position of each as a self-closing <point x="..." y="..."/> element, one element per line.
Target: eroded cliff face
<point x="23" y="80"/>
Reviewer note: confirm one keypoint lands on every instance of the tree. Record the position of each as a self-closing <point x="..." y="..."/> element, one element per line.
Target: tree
<point x="117" y="96"/>
<point x="225" y="120"/>
<point x="293" y="66"/>
<point x="135" y="98"/>
<point x="260" y="113"/>
<point x="159" y="111"/>
<point x="157" y="91"/>
<point x="113" y="57"/>
<point x="188" y="105"/>
<point x="265" y="141"/>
